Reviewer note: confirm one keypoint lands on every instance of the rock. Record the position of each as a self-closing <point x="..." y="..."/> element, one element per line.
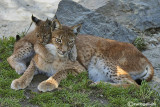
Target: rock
<point x="92" y="4"/>
<point x="154" y="57"/>
<point x="153" y="41"/>
<point x="71" y="13"/>
<point x="158" y="46"/>
<point x="158" y="39"/>
<point x="15" y="15"/>
<point x="150" y="46"/>
<point x="140" y="14"/>
<point x="157" y="36"/>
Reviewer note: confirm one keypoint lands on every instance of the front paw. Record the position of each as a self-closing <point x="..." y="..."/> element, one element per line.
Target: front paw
<point x="47" y="86"/>
<point x="18" y="84"/>
<point x="20" y="68"/>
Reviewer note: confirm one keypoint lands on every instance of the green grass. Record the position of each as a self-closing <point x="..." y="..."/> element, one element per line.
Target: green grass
<point x="140" y="43"/>
<point x="73" y="91"/>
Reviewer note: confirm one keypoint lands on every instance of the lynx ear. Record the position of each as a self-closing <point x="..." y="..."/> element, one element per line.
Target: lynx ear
<point x="35" y="20"/>
<point x="76" y="28"/>
<point x="55" y="17"/>
<point x="49" y="23"/>
<point x="56" y="24"/>
<point x="17" y="38"/>
<point x="47" y="19"/>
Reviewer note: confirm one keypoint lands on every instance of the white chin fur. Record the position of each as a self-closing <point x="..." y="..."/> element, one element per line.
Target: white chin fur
<point x="51" y="48"/>
<point x="60" y="55"/>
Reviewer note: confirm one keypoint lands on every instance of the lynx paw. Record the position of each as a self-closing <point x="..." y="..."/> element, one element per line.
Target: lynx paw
<point x="20" y="68"/>
<point x="47" y="86"/>
<point x="17" y="84"/>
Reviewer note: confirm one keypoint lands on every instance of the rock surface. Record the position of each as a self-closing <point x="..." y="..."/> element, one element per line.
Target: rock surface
<point x="15" y="15"/>
<point x="154" y="57"/>
<point x="72" y="13"/>
<point x="92" y="4"/>
<point x="140" y="14"/>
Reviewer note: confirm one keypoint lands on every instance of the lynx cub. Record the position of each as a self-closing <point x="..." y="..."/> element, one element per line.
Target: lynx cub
<point x="23" y="48"/>
<point x="113" y="62"/>
<point x="56" y="59"/>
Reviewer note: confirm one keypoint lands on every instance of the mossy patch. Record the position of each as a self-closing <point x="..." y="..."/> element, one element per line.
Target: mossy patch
<point x="140" y="43"/>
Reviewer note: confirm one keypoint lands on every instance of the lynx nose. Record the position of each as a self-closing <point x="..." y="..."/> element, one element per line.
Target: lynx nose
<point x="63" y="52"/>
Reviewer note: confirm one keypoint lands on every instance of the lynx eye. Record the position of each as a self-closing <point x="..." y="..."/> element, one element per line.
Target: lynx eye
<point x="58" y="40"/>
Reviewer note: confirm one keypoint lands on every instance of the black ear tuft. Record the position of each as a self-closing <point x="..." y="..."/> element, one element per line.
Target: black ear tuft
<point x="55" y="17"/>
<point x="35" y="20"/>
<point x="49" y="23"/>
<point x="17" y="38"/>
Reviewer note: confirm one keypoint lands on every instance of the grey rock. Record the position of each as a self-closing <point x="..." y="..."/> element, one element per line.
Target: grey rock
<point x="71" y="13"/>
<point x="92" y="4"/>
<point x="140" y="14"/>
<point x="157" y="36"/>
<point x="153" y="41"/>
<point x="158" y="39"/>
<point x="154" y="57"/>
<point x="158" y="46"/>
<point x="150" y="46"/>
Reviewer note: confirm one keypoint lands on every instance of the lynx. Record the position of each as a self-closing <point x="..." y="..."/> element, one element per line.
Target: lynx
<point x="23" y="48"/>
<point x="110" y="61"/>
<point x="56" y="59"/>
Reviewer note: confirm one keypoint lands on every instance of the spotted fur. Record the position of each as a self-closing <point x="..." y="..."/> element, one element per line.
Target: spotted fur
<point x="113" y="62"/>
<point x="57" y="59"/>
<point x="23" y="48"/>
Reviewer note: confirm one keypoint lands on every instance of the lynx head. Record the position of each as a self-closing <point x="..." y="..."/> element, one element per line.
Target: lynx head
<point x="42" y="30"/>
<point x="63" y="38"/>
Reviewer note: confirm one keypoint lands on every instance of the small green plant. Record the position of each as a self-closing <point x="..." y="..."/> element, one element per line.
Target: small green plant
<point x="140" y="43"/>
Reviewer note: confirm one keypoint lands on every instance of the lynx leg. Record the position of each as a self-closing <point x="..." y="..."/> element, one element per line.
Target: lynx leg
<point x="25" y="79"/>
<point x="20" y="57"/>
<point x="120" y="78"/>
<point x="54" y="81"/>
<point x="43" y="52"/>
<point x="123" y="78"/>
